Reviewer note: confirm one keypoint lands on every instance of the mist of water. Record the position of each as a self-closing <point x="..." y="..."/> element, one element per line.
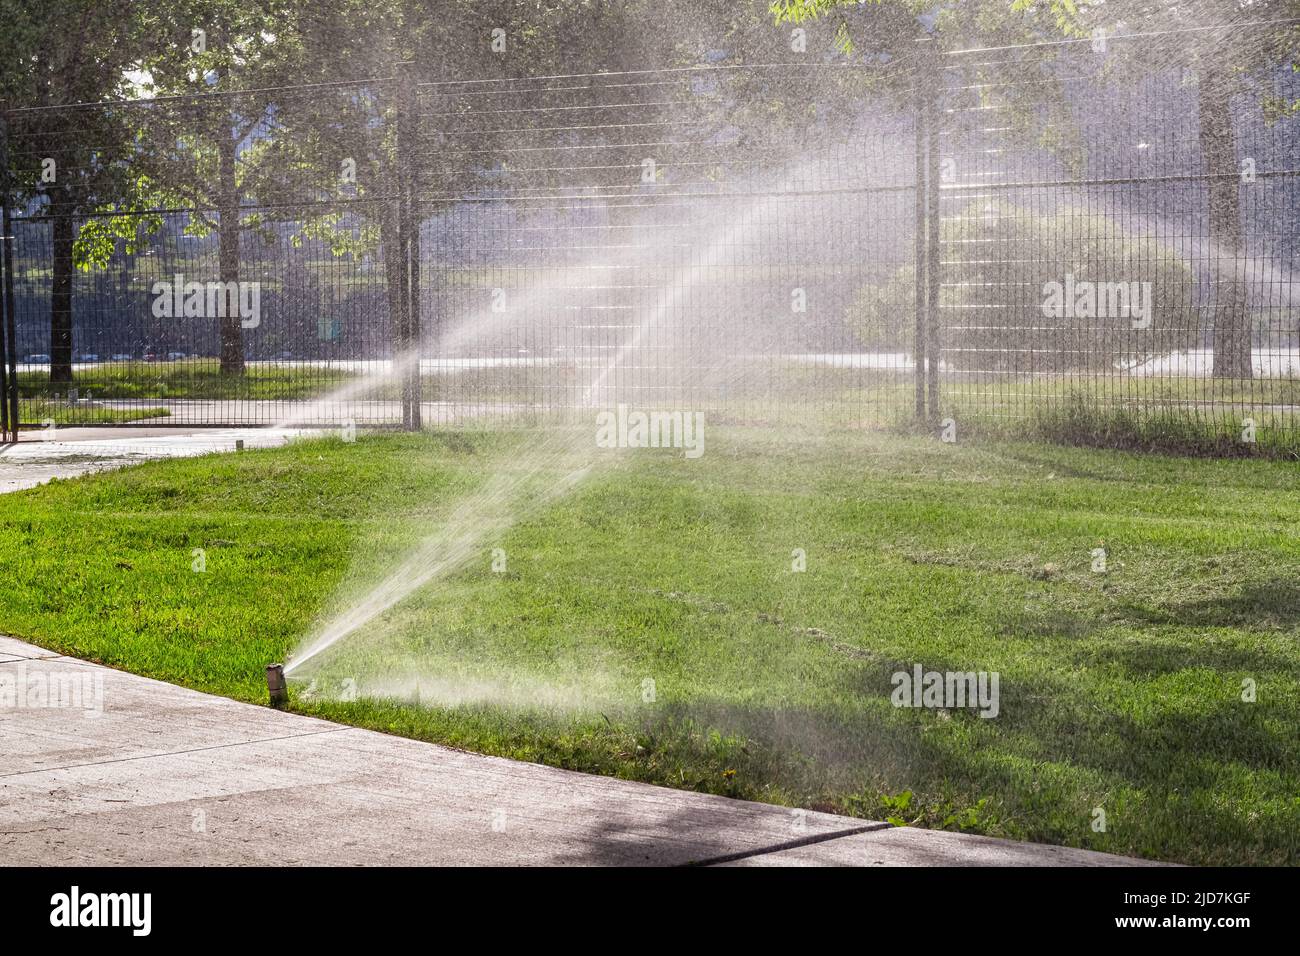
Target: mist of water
<point x="537" y="297"/>
<point x="554" y="461"/>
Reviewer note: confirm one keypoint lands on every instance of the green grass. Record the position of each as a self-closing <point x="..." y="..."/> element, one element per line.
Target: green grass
<point x="1176" y="415"/>
<point x="1171" y="431"/>
<point x="1120" y="690"/>
<point x="1183" y="416"/>
<point x="187" y="379"/>
<point x="63" y="413"/>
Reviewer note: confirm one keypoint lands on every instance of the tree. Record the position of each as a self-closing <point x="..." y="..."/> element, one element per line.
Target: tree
<point x="1231" y="58"/>
<point x="446" y="42"/>
<point x="1107" y="322"/>
<point x="69" y="52"/>
<point x="215" y="74"/>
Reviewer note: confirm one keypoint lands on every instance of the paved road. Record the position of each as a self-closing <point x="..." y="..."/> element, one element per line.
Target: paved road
<point x="164" y="775"/>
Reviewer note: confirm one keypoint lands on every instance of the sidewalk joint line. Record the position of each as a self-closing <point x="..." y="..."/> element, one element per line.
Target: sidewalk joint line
<point x="791" y="844"/>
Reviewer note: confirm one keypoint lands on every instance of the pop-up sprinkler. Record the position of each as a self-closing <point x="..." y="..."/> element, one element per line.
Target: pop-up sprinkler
<point x="276" y="686"/>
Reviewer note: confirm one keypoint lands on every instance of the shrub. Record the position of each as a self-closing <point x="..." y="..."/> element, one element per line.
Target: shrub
<point x="998" y="263"/>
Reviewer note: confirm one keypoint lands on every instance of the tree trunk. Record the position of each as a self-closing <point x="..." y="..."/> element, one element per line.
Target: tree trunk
<point x="394" y="278"/>
<point x="232" y="333"/>
<point x="126" y="266"/>
<point x="1232" y="333"/>
<point x="61" y="288"/>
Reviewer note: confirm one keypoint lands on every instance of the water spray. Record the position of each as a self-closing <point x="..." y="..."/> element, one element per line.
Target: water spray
<point x="507" y="496"/>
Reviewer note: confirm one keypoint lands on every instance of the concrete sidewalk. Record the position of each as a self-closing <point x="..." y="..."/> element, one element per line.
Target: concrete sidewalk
<point x="69" y="452"/>
<point x="168" y="776"/>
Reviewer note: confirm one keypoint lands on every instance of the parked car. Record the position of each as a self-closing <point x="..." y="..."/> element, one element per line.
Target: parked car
<point x="150" y="355"/>
<point x="122" y="357"/>
<point x="38" y="359"/>
<point x="90" y="357"/>
<point x="175" y="356"/>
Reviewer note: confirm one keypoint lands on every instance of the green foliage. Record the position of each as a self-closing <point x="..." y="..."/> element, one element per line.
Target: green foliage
<point x="131" y="223"/>
<point x="1277" y="109"/>
<point x="797" y="11"/>
<point x="800" y="11"/>
<point x="1002" y="258"/>
<point x="1064" y="12"/>
<point x="1086" y="419"/>
<point x="883" y="317"/>
<point x="902" y="810"/>
<point x="895" y="806"/>
<point x="993" y="304"/>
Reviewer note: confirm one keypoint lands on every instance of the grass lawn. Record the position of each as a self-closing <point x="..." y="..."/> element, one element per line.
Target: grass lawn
<point x="1119" y="690"/>
<point x="1179" y="414"/>
<point x="199" y="379"/>
<point x="63" y="413"/>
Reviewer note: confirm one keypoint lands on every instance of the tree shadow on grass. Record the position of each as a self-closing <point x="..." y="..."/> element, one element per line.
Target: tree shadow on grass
<point x="1044" y="763"/>
<point x="1271" y="603"/>
<point x="1170" y="654"/>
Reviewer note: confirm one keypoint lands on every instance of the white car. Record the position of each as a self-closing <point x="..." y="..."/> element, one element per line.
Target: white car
<point x="38" y="360"/>
<point x="173" y="356"/>
<point x="122" y="357"/>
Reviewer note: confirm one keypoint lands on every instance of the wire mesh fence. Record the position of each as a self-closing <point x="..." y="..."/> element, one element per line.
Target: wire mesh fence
<point x="1027" y="237"/>
<point x="1137" y="275"/>
<point x="637" y="241"/>
<point x="198" y="270"/>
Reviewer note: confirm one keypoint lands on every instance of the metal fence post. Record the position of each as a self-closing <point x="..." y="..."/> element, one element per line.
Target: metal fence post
<point x="409" y="240"/>
<point x="7" y="433"/>
<point x="919" y="284"/>
<point x="8" y="325"/>
<point x="933" y="343"/>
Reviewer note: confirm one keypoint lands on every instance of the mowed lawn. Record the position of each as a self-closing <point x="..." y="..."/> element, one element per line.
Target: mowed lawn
<point x="651" y="624"/>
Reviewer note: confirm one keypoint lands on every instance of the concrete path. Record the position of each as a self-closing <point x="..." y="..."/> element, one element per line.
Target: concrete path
<point x="102" y="767"/>
<point x="68" y="452"/>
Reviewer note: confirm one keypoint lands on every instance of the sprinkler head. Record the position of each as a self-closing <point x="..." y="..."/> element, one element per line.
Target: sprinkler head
<point x="276" y="686"/>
